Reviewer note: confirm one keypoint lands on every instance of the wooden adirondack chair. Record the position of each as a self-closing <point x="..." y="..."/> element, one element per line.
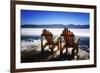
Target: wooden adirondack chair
<point x="69" y="41"/>
<point x="49" y="41"/>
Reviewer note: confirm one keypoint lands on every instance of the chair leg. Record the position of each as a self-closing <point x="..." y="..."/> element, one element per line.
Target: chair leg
<point x="76" y="49"/>
<point x="42" y="50"/>
<point x="76" y="54"/>
<point x="52" y="50"/>
<point x="66" y="50"/>
<point x="73" y="53"/>
<point x="61" y="51"/>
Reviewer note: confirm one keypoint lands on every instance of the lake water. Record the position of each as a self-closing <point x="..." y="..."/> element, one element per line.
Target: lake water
<point x="31" y="34"/>
<point x="55" y="31"/>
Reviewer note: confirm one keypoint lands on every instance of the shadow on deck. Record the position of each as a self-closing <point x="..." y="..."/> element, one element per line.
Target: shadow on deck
<point x="37" y="57"/>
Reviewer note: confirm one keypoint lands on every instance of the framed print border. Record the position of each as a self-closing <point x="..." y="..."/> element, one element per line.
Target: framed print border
<point x="13" y="35"/>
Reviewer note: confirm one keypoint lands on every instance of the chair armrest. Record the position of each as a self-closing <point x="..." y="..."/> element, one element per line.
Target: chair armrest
<point x="77" y="40"/>
<point x="56" y="39"/>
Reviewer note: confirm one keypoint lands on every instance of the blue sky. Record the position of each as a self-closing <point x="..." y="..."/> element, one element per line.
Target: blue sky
<point x="53" y="17"/>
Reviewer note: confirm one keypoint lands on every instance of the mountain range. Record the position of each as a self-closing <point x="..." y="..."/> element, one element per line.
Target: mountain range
<point x="54" y="26"/>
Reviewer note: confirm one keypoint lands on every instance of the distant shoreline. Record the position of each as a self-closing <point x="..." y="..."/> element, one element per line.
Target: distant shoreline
<point x="56" y="26"/>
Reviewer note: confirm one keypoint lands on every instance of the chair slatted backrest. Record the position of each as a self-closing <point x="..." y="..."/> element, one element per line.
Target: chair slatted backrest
<point x="68" y="37"/>
<point x="48" y="36"/>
